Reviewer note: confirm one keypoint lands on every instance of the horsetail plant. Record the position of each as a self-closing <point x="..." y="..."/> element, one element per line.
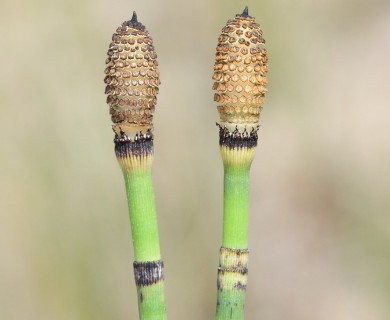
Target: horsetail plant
<point x="132" y="80"/>
<point x="240" y="81"/>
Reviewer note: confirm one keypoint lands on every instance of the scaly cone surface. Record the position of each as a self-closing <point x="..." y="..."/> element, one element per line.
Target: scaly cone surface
<point x="132" y="78"/>
<point x="240" y="73"/>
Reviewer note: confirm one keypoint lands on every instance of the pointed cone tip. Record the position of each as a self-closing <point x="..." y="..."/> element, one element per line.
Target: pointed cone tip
<point x="134" y="17"/>
<point x="245" y="12"/>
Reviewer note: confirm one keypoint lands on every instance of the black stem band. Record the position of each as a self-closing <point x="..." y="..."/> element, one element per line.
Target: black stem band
<point x="148" y="272"/>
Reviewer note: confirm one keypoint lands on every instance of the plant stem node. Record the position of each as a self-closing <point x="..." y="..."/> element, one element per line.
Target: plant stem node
<point x="147" y="273"/>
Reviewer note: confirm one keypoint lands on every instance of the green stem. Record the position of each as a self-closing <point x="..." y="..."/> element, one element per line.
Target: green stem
<point x="236" y="206"/>
<point x="142" y="211"/>
<point x="148" y="267"/>
<point x="233" y="261"/>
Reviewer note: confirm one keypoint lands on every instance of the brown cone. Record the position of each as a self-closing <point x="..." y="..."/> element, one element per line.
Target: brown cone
<point x="132" y="78"/>
<point x="240" y="72"/>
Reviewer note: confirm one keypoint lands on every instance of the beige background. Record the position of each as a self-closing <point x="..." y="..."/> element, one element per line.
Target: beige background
<point x="319" y="224"/>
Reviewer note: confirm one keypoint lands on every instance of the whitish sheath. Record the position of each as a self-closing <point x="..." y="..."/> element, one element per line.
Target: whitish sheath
<point x="240" y="81"/>
<point x="132" y="85"/>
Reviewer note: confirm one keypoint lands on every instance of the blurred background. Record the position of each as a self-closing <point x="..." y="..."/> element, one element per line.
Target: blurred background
<point x="320" y="198"/>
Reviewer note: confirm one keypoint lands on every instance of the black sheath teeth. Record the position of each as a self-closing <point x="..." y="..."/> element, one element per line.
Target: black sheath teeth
<point x="236" y="139"/>
<point x="140" y="145"/>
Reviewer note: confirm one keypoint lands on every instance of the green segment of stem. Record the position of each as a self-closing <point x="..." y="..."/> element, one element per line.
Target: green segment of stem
<point x="230" y="305"/>
<point x="233" y="261"/>
<point x="143" y="220"/>
<point x="151" y="302"/>
<point x="236" y="206"/>
<point x="142" y="213"/>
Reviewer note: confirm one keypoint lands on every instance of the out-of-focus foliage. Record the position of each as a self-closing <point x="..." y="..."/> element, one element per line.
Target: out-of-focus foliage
<point x="320" y="224"/>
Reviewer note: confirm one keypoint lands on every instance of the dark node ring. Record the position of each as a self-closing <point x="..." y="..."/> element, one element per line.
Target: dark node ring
<point x="236" y="251"/>
<point x="241" y="270"/>
<point x="149" y="272"/>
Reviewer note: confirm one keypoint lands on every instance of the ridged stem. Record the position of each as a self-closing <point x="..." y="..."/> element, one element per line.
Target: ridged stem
<point x="236" y="205"/>
<point x="135" y="159"/>
<point x="142" y="211"/>
<point x="233" y="261"/>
